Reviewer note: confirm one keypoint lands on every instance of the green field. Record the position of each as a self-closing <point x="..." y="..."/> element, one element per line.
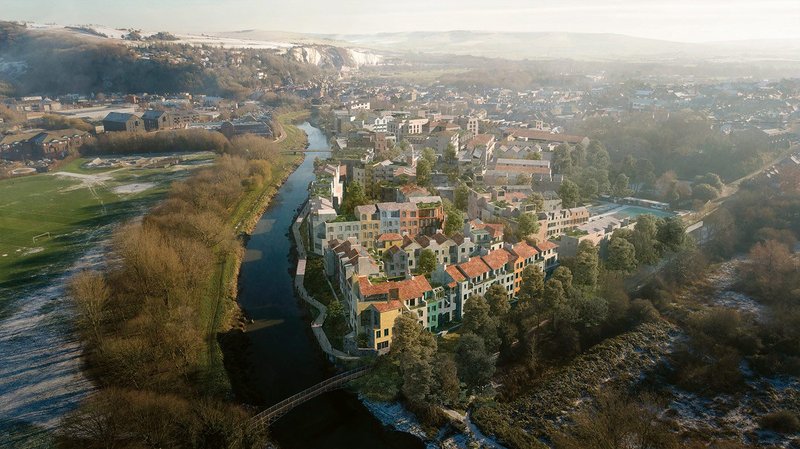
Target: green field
<point x="48" y="220"/>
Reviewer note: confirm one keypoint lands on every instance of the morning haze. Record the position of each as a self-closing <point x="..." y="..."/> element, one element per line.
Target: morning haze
<point x="682" y="20"/>
<point x="403" y="225"/>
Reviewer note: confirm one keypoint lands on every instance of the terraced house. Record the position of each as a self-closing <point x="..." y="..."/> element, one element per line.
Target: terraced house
<point x="422" y="215"/>
<point x="375" y="294"/>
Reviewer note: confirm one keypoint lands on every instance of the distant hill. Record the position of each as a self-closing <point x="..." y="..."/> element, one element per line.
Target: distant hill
<point x="513" y="45"/>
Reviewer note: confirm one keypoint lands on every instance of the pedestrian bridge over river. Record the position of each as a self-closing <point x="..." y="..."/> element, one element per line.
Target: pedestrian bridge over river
<point x="275" y="412"/>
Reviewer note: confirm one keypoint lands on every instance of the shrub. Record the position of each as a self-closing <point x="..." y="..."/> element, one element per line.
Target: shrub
<point x="781" y="421"/>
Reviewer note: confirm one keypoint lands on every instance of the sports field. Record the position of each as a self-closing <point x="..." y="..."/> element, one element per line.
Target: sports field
<point x="47" y="220"/>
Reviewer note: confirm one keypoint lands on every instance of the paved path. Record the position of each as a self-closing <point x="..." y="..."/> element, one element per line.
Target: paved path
<point x="316" y="325"/>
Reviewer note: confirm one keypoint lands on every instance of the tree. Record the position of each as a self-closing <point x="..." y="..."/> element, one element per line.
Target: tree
<point x="704" y="192"/>
<point x="423" y="172"/>
<point x="429" y="155"/>
<point x="712" y="179"/>
<point x="562" y="160"/>
<point x="620" y="187"/>
<point x="532" y="285"/>
<point x="91" y="294"/>
<point x="537" y="200"/>
<point x="644" y="239"/>
<point x="589" y="189"/>
<point x="354" y="196"/>
<point x="563" y="275"/>
<point x="645" y="172"/>
<point x="497" y="297"/>
<point x="454" y="222"/>
<point x="338" y="319"/>
<point x="448" y="387"/>
<point x="450" y="153"/>
<point x="478" y="320"/>
<point x="553" y="299"/>
<point x="417" y="368"/>
<point x="413" y="348"/>
<point x="569" y="193"/>
<point x="671" y="233"/>
<point x="427" y="262"/>
<point x="621" y="255"/>
<point x="461" y="197"/>
<point x="586" y="266"/>
<point x="597" y="156"/>
<point x="475" y="365"/>
<point x="616" y="421"/>
<point x="586" y="311"/>
<point x="527" y="224"/>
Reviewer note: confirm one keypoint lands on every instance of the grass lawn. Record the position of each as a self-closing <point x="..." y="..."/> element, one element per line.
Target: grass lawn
<point x="46" y="220"/>
<point x="295" y="138"/>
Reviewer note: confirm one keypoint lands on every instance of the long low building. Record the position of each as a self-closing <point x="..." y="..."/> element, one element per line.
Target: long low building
<point x="54" y="144"/>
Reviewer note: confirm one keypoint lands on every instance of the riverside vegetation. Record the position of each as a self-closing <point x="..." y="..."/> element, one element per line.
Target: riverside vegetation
<point x="150" y="321"/>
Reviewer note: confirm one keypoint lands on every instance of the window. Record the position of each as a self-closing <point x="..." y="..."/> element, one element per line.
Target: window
<point x="386" y="332"/>
<point x="377" y="334"/>
<point x="383" y="345"/>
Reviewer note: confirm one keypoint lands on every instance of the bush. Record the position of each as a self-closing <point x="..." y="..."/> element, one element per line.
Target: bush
<point x="181" y="140"/>
<point x="781" y="421"/>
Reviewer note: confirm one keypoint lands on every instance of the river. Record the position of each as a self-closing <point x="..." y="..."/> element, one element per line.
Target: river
<point x="284" y="356"/>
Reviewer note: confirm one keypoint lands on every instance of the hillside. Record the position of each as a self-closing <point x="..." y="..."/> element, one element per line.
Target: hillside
<point x="59" y="61"/>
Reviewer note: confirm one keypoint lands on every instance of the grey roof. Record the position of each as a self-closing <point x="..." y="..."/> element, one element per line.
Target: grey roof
<point x="118" y="117"/>
<point x="152" y="114"/>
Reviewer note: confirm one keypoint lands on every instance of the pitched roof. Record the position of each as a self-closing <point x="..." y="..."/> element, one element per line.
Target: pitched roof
<point x="389" y="237"/>
<point x="524" y="250"/>
<point x="414" y="190"/>
<point x="498" y="258"/>
<point x="152" y="114"/>
<point x="473" y="267"/>
<point x="536" y="134"/>
<point x="406" y="289"/>
<point x="480" y="139"/>
<point x="119" y="117"/>
<point x="368" y="209"/>
<point x="387" y="306"/>
<point x="546" y="245"/>
<point x="452" y="270"/>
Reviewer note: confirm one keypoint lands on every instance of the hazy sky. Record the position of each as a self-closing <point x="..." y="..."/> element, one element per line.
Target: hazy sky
<point x="682" y="20"/>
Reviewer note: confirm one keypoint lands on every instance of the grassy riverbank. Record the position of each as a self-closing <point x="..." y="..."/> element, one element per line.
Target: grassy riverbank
<point x="290" y="136"/>
<point x="223" y="309"/>
<point x="177" y="273"/>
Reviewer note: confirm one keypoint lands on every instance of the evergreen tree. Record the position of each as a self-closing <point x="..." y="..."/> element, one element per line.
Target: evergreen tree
<point x="461" y="197"/>
<point x="569" y="193"/>
<point x="354" y="196"/>
<point x="586" y="267"/>
<point x="621" y="255"/>
<point x="454" y="222"/>
<point x="527" y="224"/>
<point x="478" y="319"/>
<point x="475" y="365"/>
<point x="424" y="172"/>
<point x="497" y="297"/>
<point x="427" y="262"/>
<point x="532" y="285"/>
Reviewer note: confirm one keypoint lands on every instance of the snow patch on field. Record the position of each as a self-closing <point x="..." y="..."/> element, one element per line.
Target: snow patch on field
<point x="128" y="189"/>
<point x="41" y="376"/>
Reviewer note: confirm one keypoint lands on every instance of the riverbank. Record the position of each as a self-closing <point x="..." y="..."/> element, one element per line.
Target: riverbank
<point x="227" y="316"/>
<point x="279" y="349"/>
<point x="225" y="287"/>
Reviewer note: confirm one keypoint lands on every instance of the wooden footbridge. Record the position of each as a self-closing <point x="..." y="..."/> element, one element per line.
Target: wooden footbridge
<point x="275" y="412"/>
